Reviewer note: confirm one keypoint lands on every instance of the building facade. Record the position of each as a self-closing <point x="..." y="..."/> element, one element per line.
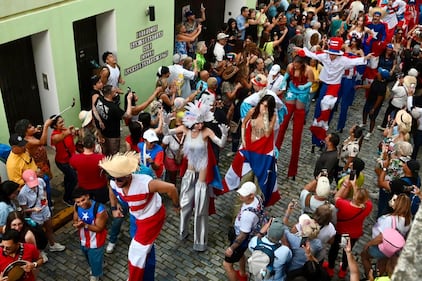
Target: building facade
<point x="49" y="49"/>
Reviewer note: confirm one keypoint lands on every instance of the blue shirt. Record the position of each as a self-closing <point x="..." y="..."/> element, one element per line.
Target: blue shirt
<point x="241" y="21"/>
<point x="282" y="257"/>
<point x="299" y="257"/>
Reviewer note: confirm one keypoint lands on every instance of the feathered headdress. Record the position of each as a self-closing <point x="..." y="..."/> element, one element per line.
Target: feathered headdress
<point x="197" y="112"/>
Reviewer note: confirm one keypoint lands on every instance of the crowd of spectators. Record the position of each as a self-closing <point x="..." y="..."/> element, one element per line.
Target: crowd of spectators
<point x="264" y="69"/>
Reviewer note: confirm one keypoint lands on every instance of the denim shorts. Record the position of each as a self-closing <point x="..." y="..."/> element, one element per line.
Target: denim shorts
<point x="375" y="252"/>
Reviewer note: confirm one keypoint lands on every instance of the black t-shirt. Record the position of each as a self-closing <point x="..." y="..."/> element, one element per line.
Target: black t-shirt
<point x="110" y="114"/>
<point x="328" y="160"/>
<point x="377" y="89"/>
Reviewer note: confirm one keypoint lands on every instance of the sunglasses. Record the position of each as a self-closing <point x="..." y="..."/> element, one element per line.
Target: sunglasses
<point x="121" y="179"/>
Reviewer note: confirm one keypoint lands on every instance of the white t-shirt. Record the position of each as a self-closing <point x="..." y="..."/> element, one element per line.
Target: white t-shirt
<point x="246" y="220"/>
<point x="314" y="204"/>
<point x="219" y="52"/>
<point x="385" y="222"/>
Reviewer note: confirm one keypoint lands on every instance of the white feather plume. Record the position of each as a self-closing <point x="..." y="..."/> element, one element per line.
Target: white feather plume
<point x="197" y="112"/>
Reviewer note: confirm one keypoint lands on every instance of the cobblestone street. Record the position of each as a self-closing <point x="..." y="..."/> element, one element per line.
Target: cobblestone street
<point x="176" y="260"/>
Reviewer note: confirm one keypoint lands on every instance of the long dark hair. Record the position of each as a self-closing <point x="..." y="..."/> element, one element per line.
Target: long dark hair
<point x="271" y="106"/>
<point x="7" y="188"/>
<point x="135" y="129"/>
<point x="17" y="215"/>
<point x="55" y="120"/>
<point x="302" y="62"/>
<point x="21" y="126"/>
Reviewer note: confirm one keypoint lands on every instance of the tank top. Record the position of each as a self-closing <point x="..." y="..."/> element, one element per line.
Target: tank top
<point x="113" y="78"/>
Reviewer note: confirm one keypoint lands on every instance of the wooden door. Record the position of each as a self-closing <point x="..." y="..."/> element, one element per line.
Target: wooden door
<point x="86" y="49"/>
<point x="18" y="83"/>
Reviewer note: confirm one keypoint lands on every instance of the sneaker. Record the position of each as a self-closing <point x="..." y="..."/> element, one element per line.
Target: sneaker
<point x="110" y="247"/>
<point x="57" y="247"/>
<point x="330" y="271"/>
<point x="94" y="278"/>
<point x="230" y="154"/>
<point x="240" y="277"/>
<point x="341" y="273"/>
<point x="44" y="257"/>
<point x="362" y="125"/>
<point x="381" y="128"/>
<point x="368" y="136"/>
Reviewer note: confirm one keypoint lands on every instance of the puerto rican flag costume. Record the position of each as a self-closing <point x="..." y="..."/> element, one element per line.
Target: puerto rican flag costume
<point x="330" y="76"/>
<point x="149" y="214"/>
<point x="91" y="239"/>
<point x="258" y="156"/>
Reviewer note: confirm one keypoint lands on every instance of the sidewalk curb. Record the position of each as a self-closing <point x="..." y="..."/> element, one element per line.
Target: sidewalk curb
<point x="62" y="217"/>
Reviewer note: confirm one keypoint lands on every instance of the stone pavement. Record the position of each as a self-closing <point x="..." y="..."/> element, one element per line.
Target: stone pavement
<point x="176" y="259"/>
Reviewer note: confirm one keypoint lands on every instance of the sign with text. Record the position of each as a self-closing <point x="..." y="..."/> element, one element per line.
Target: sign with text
<point x="144" y="39"/>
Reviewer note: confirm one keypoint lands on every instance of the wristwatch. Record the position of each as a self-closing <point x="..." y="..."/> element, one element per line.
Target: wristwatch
<point x="384" y="169"/>
<point x="35" y="264"/>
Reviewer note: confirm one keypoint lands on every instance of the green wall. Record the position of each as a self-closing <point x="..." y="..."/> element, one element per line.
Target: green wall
<point x="58" y="19"/>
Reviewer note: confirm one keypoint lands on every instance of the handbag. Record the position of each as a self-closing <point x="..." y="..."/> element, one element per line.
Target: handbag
<point x="392" y="240"/>
<point x="234" y="126"/>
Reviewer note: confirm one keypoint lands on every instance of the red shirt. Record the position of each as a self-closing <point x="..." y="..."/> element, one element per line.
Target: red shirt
<point x="30" y="253"/>
<point x="64" y="149"/>
<point x="89" y="173"/>
<point x="350" y="218"/>
<point x="134" y="147"/>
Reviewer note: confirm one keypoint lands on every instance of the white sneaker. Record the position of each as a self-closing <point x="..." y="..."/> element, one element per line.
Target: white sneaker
<point x="57" y="247"/>
<point x="110" y="247"/>
<point x="381" y="128"/>
<point x="362" y="125"/>
<point x="44" y="257"/>
<point x="367" y="136"/>
<point x="94" y="278"/>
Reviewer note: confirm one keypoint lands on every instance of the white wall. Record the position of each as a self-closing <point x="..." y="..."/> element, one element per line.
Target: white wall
<point x="106" y="34"/>
<point x="232" y="9"/>
<point x="43" y="60"/>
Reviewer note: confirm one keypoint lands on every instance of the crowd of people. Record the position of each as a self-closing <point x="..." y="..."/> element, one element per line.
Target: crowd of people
<point x="265" y="69"/>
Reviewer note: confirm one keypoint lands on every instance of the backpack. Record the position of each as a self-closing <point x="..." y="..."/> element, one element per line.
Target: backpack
<point x="262" y="260"/>
<point x="262" y="215"/>
<point x="392" y="240"/>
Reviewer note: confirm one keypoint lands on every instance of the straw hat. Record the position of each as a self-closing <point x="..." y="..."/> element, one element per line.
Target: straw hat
<point x="120" y="165"/>
<point x="403" y="118"/>
<point x="85" y="117"/>
<point x="376" y="10"/>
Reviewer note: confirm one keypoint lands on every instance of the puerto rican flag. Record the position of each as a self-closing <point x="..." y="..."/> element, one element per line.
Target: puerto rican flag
<point x="257" y="156"/>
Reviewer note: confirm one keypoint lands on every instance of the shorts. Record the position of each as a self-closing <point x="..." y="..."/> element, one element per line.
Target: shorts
<point x="375" y="252"/>
<point x="237" y="254"/>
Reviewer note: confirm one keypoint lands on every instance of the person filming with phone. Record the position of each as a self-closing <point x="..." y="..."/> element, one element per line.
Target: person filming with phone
<point x="351" y="214"/>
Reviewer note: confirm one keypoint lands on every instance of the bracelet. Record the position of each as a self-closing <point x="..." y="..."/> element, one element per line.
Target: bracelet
<point x="35" y="264"/>
<point x="261" y="233"/>
<point x="114" y="208"/>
